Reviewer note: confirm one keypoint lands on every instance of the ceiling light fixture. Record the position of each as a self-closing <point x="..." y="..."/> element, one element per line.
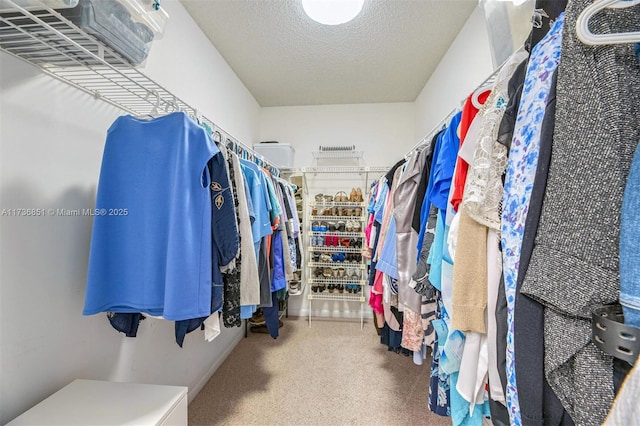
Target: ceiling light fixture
<point x="332" y="12"/>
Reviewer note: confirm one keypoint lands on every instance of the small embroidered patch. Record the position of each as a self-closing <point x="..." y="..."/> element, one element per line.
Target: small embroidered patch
<point x="219" y="201"/>
<point x="215" y="186"/>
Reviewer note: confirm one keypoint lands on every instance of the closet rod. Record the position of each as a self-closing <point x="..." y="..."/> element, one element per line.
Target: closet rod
<point x="44" y="38"/>
<point x="487" y="81"/>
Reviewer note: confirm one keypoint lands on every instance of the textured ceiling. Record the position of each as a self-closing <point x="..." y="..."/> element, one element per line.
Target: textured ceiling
<point x="386" y="54"/>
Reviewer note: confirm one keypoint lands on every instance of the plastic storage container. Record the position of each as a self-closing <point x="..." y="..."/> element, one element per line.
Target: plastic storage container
<point x="35" y="4"/>
<point x="279" y="154"/>
<point x="127" y="26"/>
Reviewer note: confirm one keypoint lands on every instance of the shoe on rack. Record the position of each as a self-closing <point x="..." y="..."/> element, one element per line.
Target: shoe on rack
<point x="359" y="198"/>
<point x="353" y="196"/>
<point x="355" y="274"/>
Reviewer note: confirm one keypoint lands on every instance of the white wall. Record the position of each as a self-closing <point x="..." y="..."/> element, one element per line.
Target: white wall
<point x="383" y="131"/>
<point x="51" y="141"/>
<point x="466" y="64"/>
<point x="376" y="129"/>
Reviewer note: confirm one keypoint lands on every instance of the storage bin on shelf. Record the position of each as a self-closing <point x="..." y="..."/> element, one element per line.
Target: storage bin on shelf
<point x="127" y="26"/>
<point x="280" y="154"/>
<point x="35" y="4"/>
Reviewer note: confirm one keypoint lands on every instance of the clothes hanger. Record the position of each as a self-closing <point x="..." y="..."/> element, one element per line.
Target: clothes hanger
<point x="545" y="12"/>
<point x="219" y="137"/>
<point x="155" y="110"/>
<point x="587" y="37"/>
<point x="173" y="104"/>
<point x="167" y="105"/>
<point x="475" y="101"/>
<point x="198" y="117"/>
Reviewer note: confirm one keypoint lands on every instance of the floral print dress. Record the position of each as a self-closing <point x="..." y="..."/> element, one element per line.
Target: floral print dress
<point x="521" y="170"/>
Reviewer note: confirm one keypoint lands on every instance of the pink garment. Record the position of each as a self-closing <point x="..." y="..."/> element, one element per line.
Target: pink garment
<point x="377" y="283"/>
<point x="374" y="195"/>
<point x="375" y="301"/>
<point x="386" y="219"/>
<point x="367" y="230"/>
<point x="375" y="297"/>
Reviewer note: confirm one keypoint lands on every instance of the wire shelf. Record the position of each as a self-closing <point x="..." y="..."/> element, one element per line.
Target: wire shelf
<point x="329" y="218"/>
<point x="335" y="280"/>
<point x="352" y="204"/>
<point x="44" y="38"/>
<point x="49" y="41"/>
<point x="337" y="233"/>
<point x="331" y="249"/>
<point x="337" y="264"/>
<point x="338" y="155"/>
<point x="346" y="169"/>
<point x="348" y="297"/>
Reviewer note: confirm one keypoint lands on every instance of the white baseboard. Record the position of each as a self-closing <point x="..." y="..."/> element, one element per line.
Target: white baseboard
<point x="197" y="387"/>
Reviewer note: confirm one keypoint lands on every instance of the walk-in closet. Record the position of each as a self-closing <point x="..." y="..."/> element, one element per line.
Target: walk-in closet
<point x="314" y="212"/>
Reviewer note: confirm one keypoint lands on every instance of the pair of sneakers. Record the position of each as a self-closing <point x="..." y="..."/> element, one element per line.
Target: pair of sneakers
<point x="332" y="240"/>
<point x="319" y="226"/>
<point x="317" y="240"/>
<point x="353" y="274"/>
<point x="352" y="288"/>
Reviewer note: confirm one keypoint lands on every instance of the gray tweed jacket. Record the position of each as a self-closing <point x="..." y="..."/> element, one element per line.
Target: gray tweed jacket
<point x="574" y="264"/>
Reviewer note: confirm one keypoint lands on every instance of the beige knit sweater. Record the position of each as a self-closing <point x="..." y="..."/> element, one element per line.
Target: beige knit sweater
<point x="470" y="276"/>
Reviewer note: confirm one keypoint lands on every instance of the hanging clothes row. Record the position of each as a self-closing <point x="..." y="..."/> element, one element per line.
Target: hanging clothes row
<point x="186" y="230"/>
<point x="493" y="243"/>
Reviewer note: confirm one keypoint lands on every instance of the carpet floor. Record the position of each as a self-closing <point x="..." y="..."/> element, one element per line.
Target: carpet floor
<point x="332" y="373"/>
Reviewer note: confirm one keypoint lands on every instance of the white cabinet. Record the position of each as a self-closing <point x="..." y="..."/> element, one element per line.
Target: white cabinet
<point x="94" y="402"/>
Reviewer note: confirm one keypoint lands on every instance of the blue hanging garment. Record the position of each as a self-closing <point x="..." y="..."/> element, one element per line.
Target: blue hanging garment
<point x="151" y="242"/>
